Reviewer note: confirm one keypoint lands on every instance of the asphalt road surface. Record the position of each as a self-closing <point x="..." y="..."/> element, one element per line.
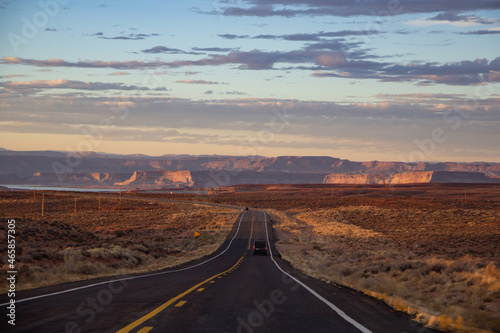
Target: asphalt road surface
<point x="231" y="291"/>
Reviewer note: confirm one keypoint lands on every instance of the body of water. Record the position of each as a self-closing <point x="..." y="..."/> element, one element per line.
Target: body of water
<point x="82" y="189"/>
<point x="56" y="188"/>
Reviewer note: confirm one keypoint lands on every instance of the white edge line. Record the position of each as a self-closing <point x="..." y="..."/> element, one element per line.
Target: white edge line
<point x="321" y="298"/>
<point x="132" y="277"/>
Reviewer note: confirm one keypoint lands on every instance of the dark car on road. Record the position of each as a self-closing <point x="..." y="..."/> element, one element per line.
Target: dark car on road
<point x="260" y="247"/>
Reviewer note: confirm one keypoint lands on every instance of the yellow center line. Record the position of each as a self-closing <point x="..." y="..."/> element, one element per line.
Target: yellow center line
<point x="145" y="330"/>
<point x="251" y="233"/>
<point x="162" y="307"/>
<point x="181" y="303"/>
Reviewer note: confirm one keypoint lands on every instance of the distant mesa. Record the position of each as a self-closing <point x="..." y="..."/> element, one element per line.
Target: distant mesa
<point x="410" y="177"/>
<point x="160" y="178"/>
<point x="184" y="171"/>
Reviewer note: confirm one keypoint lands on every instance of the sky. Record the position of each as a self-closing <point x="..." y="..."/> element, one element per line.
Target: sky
<point x="387" y="80"/>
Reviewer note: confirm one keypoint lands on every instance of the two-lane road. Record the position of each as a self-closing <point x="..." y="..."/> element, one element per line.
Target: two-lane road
<point x="232" y="291"/>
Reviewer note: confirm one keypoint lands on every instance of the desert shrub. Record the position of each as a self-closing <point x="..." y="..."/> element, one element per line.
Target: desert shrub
<point x="118" y="252"/>
<point x="71" y="254"/>
<point x="85" y="268"/>
<point x="99" y="253"/>
<point x="30" y="273"/>
<point x="461" y="265"/>
<point x="347" y="270"/>
<point x="372" y="268"/>
<point x="412" y="264"/>
<point x="189" y="245"/>
<point x="25" y="258"/>
<point x="337" y="251"/>
<point x="25" y="272"/>
<point x="492" y="270"/>
<point x="437" y="267"/>
<point x="433" y="278"/>
<point x="142" y="248"/>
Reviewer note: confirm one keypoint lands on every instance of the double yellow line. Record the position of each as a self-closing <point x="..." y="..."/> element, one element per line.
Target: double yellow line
<point x="162" y="307"/>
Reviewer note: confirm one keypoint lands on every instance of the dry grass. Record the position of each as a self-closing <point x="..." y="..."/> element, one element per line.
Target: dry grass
<point x="441" y="289"/>
<point x="127" y="236"/>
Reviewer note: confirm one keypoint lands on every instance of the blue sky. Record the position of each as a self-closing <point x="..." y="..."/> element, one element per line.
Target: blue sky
<point x="363" y="80"/>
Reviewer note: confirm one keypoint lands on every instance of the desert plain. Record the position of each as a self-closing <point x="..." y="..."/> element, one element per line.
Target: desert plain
<point x="430" y="250"/>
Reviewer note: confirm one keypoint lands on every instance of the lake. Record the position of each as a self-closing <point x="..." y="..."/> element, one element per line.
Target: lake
<point x="57" y="188"/>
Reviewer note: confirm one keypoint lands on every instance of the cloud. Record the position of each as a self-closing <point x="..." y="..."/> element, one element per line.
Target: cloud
<point x="305" y="36"/>
<point x="254" y="59"/>
<point x="120" y="73"/>
<point x="332" y="45"/>
<point x="161" y="49"/>
<point x="325" y="63"/>
<point x="231" y="36"/>
<point x="83" y="64"/>
<point x="9" y="76"/>
<point x="494" y="31"/>
<point x="455" y="17"/>
<point x="452" y="18"/>
<point x="51" y="29"/>
<point x="167" y="50"/>
<point x="330" y="59"/>
<point x="430" y="99"/>
<point x="212" y="49"/>
<point x="345" y="8"/>
<point x="474" y="72"/>
<point x="209" y="92"/>
<point x="321" y="41"/>
<point x="188" y="81"/>
<point x="125" y="37"/>
<point x="31" y="86"/>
